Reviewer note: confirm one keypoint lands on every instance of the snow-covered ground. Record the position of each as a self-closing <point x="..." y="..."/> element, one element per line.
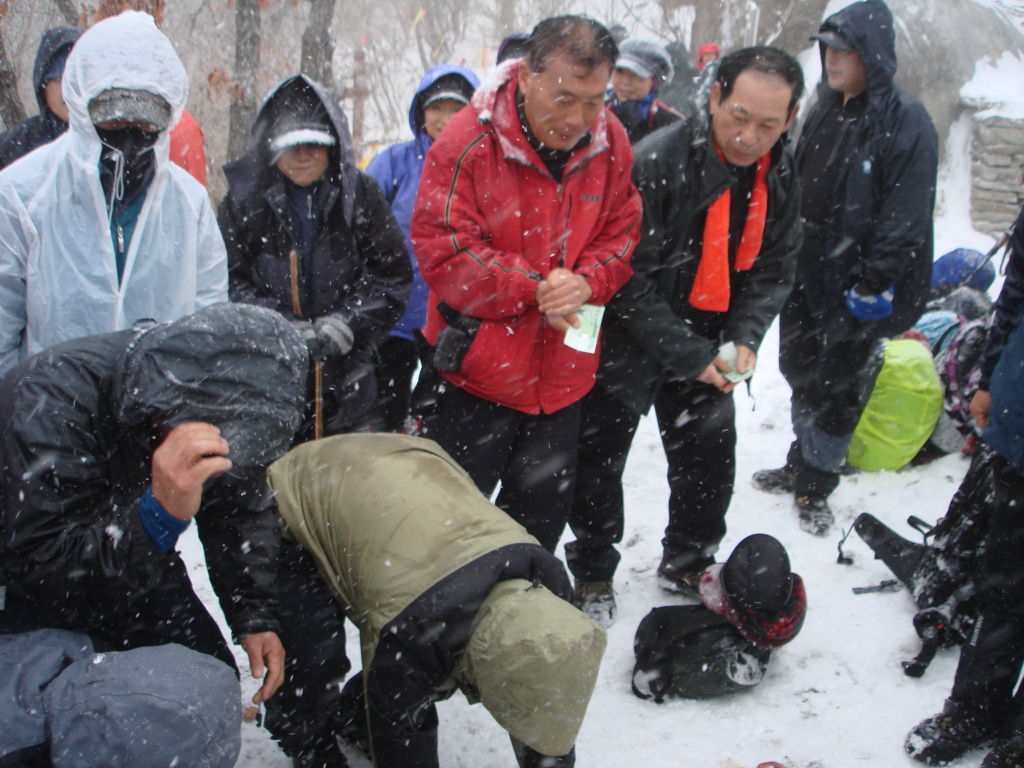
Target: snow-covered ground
<point x="836" y="697"/>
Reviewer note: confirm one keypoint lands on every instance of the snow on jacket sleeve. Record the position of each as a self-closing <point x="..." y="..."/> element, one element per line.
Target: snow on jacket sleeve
<point x="451" y="235"/>
<point x="374" y="307"/>
<point x="903" y="223"/>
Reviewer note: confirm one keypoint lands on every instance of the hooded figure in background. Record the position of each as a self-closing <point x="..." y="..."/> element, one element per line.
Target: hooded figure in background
<point x="98" y="229"/>
<point x="868" y="161"/>
<point x="750" y="605"/>
<point x="443" y="91"/>
<point x="312" y="237"/>
<point x="642" y="68"/>
<point x="447" y="591"/>
<point x="111" y="445"/>
<point x="52" y="119"/>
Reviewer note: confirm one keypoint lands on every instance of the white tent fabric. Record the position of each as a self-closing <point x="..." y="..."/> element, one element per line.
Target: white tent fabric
<point x="58" y="277"/>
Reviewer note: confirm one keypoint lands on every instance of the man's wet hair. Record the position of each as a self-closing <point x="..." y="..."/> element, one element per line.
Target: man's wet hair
<point x="585" y="41"/>
<point x="763" y="58"/>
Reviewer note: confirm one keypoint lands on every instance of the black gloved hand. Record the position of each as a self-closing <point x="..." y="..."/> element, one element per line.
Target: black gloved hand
<point x="335" y="335"/>
<point x="313" y="342"/>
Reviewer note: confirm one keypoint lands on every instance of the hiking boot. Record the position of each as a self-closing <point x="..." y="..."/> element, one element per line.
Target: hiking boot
<point x="326" y="754"/>
<point x="1007" y="753"/>
<point x="947" y="736"/>
<point x="597" y="600"/>
<point x="815" y="514"/>
<point x="779" y="480"/>
<point x="682" y="578"/>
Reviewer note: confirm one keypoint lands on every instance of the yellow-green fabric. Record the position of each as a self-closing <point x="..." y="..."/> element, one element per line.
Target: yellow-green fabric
<point x="534" y="659"/>
<point x="902" y="411"/>
<point x="385" y="517"/>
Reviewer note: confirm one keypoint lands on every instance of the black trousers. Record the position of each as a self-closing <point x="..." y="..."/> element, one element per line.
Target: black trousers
<point x="992" y="658"/>
<point x="395" y="370"/>
<point x="533" y="456"/>
<point x="827" y="373"/>
<point x="698" y="432"/>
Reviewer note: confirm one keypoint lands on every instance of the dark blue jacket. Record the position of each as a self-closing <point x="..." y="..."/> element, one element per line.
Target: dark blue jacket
<point x="880" y="222"/>
<point x="397" y="171"/>
<point x="1002" y="368"/>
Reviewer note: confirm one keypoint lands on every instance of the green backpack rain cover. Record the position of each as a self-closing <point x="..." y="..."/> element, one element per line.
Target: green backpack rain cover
<point x="901" y="413"/>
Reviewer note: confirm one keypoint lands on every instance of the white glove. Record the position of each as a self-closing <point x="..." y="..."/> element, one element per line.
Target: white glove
<point x="335" y="334"/>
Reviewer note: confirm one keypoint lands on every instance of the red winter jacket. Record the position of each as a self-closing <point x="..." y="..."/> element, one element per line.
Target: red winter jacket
<point x="490" y="223"/>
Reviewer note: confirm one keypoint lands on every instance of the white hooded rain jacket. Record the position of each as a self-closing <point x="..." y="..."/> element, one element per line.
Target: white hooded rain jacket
<point x="58" y="276"/>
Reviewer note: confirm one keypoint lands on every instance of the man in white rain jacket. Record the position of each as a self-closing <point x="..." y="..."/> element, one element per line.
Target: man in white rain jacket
<point x="99" y="229"/>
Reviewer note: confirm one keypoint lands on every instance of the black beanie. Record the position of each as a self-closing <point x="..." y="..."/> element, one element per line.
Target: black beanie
<point x="757" y="576"/>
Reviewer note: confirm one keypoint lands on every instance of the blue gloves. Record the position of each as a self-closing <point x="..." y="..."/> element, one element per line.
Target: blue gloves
<point x="869" y="306"/>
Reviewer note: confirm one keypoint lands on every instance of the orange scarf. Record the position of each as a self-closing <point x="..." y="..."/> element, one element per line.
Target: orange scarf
<point x="710" y="289"/>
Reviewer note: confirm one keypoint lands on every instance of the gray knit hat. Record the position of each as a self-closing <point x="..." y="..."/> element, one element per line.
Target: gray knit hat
<point x="646" y="58"/>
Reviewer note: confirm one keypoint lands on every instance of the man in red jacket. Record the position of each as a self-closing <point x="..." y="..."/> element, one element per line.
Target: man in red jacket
<point x="524" y="225"/>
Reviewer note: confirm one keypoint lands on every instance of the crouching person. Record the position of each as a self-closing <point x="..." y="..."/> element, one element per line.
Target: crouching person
<point x="66" y="705"/>
<point x="750" y="605"/>
<point x="447" y="591"/>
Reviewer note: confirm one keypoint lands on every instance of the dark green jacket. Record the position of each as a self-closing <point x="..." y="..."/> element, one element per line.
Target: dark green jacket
<point x="651" y="332"/>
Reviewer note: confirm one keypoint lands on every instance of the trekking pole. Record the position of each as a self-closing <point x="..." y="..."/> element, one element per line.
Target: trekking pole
<point x="1000" y="243"/>
<point x="318" y="400"/>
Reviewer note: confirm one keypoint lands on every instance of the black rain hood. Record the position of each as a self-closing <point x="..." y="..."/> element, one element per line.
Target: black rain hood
<point x="55" y="41"/>
<point x="253" y="171"/>
<point x="239" y="367"/>
<point x="868" y="26"/>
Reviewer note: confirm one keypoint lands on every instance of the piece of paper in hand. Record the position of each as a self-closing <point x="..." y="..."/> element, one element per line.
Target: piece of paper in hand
<point x="728" y="353"/>
<point x="584" y="338"/>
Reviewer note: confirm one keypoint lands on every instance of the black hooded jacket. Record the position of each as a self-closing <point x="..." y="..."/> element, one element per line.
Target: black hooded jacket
<point x="75" y="457"/>
<point x="46" y="126"/>
<point x="359" y="268"/>
<point x="651" y="332"/>
<point x="880" y="220"/>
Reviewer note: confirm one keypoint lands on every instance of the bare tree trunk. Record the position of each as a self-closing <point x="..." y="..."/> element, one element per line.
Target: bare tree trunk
<point x="12" y="111"/>
<point x="247" y="63"/>
<point x="360" y="90"/>
<point x="799" y="24"/>
<point x="707" y="26"/>
<point x="318" y="43"/>
<point x="68" y="11"/>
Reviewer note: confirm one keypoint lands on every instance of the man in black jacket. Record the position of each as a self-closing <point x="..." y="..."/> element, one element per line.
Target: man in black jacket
<point x="868" y="158"/>
<point x="111" y="445"/>
<point x="52" y="119"/>
<point x="714" y="265"/>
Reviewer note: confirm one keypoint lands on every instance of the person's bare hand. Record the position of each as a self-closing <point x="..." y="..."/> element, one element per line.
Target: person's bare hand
<point x="746" y="358"/>
<point x="981" y="404"/>
<point x="189" y="455"/>
<point x="266" y="657"/>
<point x="560" y="296"/>
<point x="711" y="375"/>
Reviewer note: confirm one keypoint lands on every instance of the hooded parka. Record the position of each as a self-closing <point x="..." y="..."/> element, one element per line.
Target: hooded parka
<point x="439" y="582"/>
<point x="879" y="223"/>
<point x="359" y="269"/>
<point x="58" y="273"/>
<point x="46" y="126"/>
<point x="397" y="170"/>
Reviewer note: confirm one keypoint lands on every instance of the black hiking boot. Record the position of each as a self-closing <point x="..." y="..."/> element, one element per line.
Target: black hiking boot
<point x="1007" y="753"/>
<point x="901" y="555"/>
<point x="779" y="480"/>
<point x="682" y="577"/>
<point x="949" y="735"/>
<point x="597" y="600"/>
<point x="815" y="514"/>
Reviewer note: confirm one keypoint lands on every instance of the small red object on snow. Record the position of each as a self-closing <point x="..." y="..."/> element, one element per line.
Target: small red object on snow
<point x="770" y="765"/>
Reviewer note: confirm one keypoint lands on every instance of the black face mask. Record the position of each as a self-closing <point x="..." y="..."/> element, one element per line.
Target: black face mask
<point x="127" y="161"/>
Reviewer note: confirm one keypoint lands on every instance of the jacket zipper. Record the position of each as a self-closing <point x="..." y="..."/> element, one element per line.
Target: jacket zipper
<point x="309" y="205"/>
<point x="120" y="239"/>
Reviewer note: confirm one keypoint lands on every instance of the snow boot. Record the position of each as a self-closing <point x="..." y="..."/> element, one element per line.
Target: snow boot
<point x="815" y="514"/>
<point x="779" y="480"/>
<point x="597" y="600"/>
<point x="901" y="555"/>
<point x="681" y="576"/>
<point x="947" y="736"/>
<point x="326" y="754"/>
<point x="1007" y="753"/>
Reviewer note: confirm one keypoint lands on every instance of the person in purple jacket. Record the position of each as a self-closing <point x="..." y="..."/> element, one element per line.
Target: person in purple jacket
<point x="443" y="91"/>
